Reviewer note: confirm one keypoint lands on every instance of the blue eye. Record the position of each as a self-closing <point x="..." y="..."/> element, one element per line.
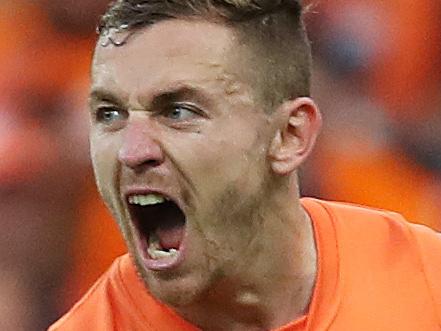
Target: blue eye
<point x="181" y="112"/>
<point x="108" y="115"/>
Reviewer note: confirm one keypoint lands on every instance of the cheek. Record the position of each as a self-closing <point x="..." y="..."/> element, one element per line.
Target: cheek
<point x="238" y="161"/>
<point x="104" y="160"/>
<point x="225" y="174"/>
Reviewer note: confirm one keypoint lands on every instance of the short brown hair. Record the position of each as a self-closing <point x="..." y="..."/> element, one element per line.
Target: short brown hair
<point x="273" y="30"/>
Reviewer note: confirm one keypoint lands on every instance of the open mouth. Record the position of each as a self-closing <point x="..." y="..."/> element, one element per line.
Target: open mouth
<point x="160" y="224"/>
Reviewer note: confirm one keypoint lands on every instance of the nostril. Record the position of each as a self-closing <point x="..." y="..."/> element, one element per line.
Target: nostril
<point x="146" y="165"/>
<point x="152" y="163"/>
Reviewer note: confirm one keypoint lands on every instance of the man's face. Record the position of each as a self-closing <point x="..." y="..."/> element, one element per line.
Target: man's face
<point x="180" y="155"/>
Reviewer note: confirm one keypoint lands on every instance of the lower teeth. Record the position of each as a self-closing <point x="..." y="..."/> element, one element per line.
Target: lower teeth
<point x="159" y="254"/>
<point x="156" y="252"/>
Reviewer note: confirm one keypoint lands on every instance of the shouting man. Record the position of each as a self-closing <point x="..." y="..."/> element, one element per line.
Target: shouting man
<point x="201" y="118"/>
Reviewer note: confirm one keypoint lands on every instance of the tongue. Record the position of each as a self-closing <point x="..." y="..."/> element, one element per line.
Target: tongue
<point x="170" y="237"/>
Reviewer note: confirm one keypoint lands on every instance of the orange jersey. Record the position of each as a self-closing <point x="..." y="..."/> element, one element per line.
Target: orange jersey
<point x="375" y="272"/>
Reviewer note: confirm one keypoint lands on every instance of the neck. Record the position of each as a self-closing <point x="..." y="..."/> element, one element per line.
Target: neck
<point x="275" y="285"/>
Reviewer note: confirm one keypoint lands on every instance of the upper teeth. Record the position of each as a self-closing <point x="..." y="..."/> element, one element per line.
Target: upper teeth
<point x="146" y="199"/>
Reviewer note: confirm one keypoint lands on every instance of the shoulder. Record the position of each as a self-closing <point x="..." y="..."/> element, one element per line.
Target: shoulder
<point x="374" y="225"/>
<point x="376" y="244"/>
<point x="94" y="310"/>
<point x="368" y="222"/>
<point x="428" y="243"/>
<point x="119" y="300"/>
<point x="353" y="211"/>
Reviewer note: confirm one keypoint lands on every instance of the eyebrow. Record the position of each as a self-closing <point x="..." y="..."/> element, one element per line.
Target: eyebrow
<point x="103" y="95"/>
<point x="161" y="98"/>
<point x="177" y="94"/>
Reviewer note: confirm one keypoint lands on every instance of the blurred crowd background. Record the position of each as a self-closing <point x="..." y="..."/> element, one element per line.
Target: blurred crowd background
<point x="377" y="80"/>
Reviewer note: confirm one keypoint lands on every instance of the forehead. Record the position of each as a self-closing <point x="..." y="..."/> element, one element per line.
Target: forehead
<point x="167" y="52"/>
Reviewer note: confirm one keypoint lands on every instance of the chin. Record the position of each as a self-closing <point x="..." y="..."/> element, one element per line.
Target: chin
<point x="176" y="290"/>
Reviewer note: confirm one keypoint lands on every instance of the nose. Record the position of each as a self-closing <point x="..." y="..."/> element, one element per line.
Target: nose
<point x="139" y="148"/>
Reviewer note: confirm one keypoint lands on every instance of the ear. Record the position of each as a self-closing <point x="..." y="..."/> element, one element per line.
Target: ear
<point x="299" y="122"/>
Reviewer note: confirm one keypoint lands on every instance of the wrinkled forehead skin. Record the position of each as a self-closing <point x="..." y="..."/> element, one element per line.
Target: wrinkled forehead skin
<point x="223" y="59"/>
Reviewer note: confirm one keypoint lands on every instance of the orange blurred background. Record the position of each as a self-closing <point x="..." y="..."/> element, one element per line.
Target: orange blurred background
<point x="377" y="80"/>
